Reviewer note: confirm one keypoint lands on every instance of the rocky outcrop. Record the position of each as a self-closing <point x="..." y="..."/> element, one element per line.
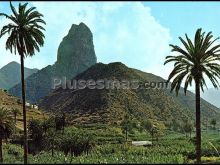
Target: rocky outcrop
<point x="75" y="54"/>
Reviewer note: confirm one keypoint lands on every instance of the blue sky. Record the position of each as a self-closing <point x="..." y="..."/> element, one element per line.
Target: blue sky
<point x="186" y="17"/>
<point x="135" y="33"/>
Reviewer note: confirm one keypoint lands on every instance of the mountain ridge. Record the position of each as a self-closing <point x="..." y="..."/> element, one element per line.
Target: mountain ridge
<point x="10" y="74"/>
<point x="111" y="105"/>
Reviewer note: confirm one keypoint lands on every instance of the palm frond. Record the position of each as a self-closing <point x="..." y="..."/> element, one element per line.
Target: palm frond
<point x="25" y="35"/>
<point x="200" y="58"/>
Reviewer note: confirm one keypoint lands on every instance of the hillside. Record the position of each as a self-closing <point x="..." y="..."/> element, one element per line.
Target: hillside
<point x="111" y="105"/>
<point x="7" y="101"/>
<point x="75" y="54"/>
<point x="10" y="75"/>
<point x="211" y="95"/>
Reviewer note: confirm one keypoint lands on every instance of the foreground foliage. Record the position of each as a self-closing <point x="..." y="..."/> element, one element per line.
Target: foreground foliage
<point x="172" y="148"/>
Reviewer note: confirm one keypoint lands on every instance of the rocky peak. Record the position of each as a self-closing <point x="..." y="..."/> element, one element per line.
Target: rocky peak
<point x="76" y="51"/>
<point x="75" y="54"/>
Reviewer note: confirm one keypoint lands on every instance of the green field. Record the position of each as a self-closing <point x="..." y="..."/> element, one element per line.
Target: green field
<point x="110" y="147"/>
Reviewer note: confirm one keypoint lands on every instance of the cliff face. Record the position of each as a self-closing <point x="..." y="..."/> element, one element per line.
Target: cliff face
<point x="75" y="54"/>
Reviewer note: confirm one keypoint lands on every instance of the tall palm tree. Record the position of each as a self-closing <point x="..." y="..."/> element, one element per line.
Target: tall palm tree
<point x="191" y="64"/>
<point x="6" y="128"/>
<point x="25" y="36"/>
<point x="15" y="112"/>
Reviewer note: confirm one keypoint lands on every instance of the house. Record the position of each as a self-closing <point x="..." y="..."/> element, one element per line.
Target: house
<point x="28" y="104"/>
<point x="35" y="106"/>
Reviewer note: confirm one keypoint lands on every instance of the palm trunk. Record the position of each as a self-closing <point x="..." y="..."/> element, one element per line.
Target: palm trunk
<point x="24" y="111"/>
<point x="198" y="124"/>
<point x="1" y="155"/>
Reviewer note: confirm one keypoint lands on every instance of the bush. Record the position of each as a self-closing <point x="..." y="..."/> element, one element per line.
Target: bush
<point x="15" y="150"/>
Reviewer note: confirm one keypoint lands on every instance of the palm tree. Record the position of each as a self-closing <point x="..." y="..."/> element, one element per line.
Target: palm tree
<point x="188" y="127"/>
<point x="6" y="128"/>
<point x="15" y="112"/>
<point x="126" y="126"/>
<point x="192" y="64"/>
<point x="25" y="36"/>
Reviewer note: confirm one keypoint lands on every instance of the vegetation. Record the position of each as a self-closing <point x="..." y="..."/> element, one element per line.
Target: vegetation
<point x="25" y="36"/>
<point x="196" y="60"/>
<point x="101" y="125"/>
<point x="90" y="144"/>
<point x="127" y="125"/>
<point x="6" y="128"/>
<point x="104" y="143"/>
<point x="10" y="102"/>
<point x="15" y="112"/>
<point x="188" y="128"/>
<point x="111" y="105"/>
<point x="213" y="123"/>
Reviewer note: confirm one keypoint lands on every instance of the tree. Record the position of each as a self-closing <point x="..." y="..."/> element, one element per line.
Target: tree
<point x="48" y="123"/>
<point x="71" y="142"/>
<point x="191" y="64"/>
<point x="6" y="128"/>
<point x="63" y="121"/>
<point x="158" y="129"/>
<point x="36" y="131"/>
<point x="15" y="112"/>
<point x="148" y="126"/>
<point x="176" y="125"/>
<point x="213" y="123"/>
<point x="25" y="36"/>
<point x="60" y="122"/>
<point x="126" y="126"/>
<point x="206" y="124"/>
<point x="188" y="127"/>
<point x="50" y="140"/>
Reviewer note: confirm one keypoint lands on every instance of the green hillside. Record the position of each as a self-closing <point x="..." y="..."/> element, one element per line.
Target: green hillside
<point x="10" y="102"/>
<point x="111" y="105"/>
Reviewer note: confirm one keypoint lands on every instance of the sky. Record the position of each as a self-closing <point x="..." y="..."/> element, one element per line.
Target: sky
<point x="137" y="34"/>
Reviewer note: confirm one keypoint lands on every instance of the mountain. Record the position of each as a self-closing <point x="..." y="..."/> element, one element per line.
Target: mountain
<point x="8" y="101"/>
<point x="110" y="105"/>
<point x="10" y="75"/>
<point x="211" y="95"/>
<point x="75" y="54"/>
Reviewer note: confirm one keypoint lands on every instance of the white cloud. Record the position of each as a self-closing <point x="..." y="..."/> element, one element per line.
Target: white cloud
<point x="122" y="31"/>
